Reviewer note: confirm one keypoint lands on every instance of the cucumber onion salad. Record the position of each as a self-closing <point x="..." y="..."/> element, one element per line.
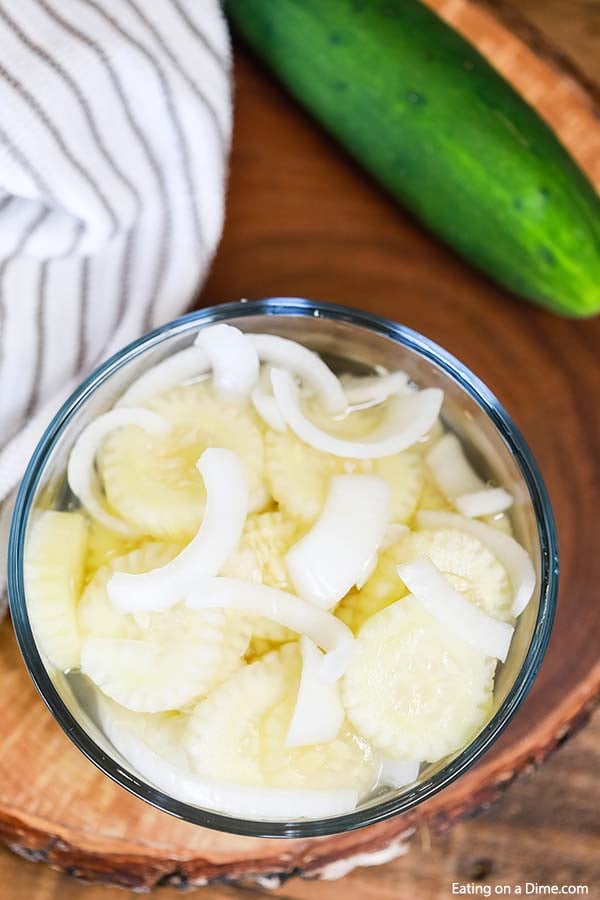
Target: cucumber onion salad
<point x="290" y="588"/>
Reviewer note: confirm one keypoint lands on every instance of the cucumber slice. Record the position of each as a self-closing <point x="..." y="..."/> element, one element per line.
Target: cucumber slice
<point x="414" y="690"/>
<point x="54" y="569"/>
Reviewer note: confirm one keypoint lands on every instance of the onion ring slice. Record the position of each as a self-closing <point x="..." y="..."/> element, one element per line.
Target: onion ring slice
<point x="319" y="713"/>
<point x="398" y="773"/>
<point x="460" y="483"/>
<point x="80" y="469"/>
<point x="453" y="611"/>
<point x="215" y="541"/>
<point x="339" y="548"/>
<point x="304" y="363"/>
<point x="507" y="551"/>
<point x="243" y="801"/>
<point x="321" y="627"/>
<point x="177" y="369"/>
<point x="487" y="502"/>
<point x="233" y="359"/>
<point x="408" y="418"/>
<point x="264" y="402"/>
<point x="371" y="390"/>
<point x="453" y="473"/>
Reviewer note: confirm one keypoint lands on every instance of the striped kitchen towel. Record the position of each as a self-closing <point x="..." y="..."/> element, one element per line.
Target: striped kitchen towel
<point x="115" y="125"/>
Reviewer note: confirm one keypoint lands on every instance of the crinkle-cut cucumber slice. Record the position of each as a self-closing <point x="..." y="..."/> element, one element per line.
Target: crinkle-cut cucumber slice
<point x="455" y="552"/>
<point x="152" y="746"/>
<point x="54" y="569"/>
<point x="238" y="734"/>
<point x="104" y="545"/>
<point x="260" y="555"/>
<point x="156" y="661"/>
<point x="160" y="732"/>
<point x="259" y="646"/>
<point x="414" y="690"/>
<point x="173" y="664"/>
<point x="260" y="558"/>
<point x="298" y="476"/>
<point x="96" y="614"/>
<point x="152" y="480"/>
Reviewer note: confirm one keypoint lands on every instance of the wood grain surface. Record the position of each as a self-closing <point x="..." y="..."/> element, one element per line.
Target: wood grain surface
<point x="546" y="830"/>
<point x="303" y="220"/>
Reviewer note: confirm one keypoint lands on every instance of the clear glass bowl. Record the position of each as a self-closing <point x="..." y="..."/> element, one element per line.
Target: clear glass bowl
<point x="339" y="333"/>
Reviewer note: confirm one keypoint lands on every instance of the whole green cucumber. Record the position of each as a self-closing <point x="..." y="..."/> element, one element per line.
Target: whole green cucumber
<point x="422" y="110"/>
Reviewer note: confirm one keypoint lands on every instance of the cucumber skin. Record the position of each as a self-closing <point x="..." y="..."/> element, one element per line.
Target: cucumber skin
<point x="434" y="123"/>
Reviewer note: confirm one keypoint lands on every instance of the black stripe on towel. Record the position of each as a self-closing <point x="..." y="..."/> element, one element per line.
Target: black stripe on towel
<point x="17" y="249"/>
<point x="40" y="337"/>
<point x="193" y="86"/>
<point x="222" y="61"/>
<point x="31" y="102"/>
<point x="84" y="298"/>
<point x="53" y="63"/>
<point x="166" y="219"/>
<point x="27" y="166"/>
<point x="183" y="148"/>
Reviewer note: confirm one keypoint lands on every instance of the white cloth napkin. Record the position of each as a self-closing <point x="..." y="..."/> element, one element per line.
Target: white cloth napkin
<point x="115" y="126"/>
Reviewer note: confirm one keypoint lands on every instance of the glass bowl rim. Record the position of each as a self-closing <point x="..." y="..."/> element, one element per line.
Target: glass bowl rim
<point x="378" y="811"/>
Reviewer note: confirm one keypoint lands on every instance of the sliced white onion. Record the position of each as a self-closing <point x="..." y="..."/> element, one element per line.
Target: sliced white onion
<point x="507" y="551"/>
<point x="487" y="502"/>
<point x="266" y="406"/>
<point x="334" y="554"/>
<point x="370" y="390"/>
<point x="321" y="627"/>
<point x="264" y="402"/>
<point x="217" y="538"/>
<point x="453" y="611"/>
<point x="306" y="364"/>
<point x="393" y="533"/>
<point x="408" y="417"/>
<point x="456" y="478"/>
<point x="319" y="713"/>
<point x="367" y="571"/>
<point x="177" y="369"/>
<point x="233" y="359"/>
<point x="452" y="471"/>
<point x="81" y="474"/>
<point x="261" y="803"/>
<point x="398" y="773"/>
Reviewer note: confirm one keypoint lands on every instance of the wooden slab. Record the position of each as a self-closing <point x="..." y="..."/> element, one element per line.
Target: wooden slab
<point x="303" y="220"/>
<point x="557" y="806"/>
